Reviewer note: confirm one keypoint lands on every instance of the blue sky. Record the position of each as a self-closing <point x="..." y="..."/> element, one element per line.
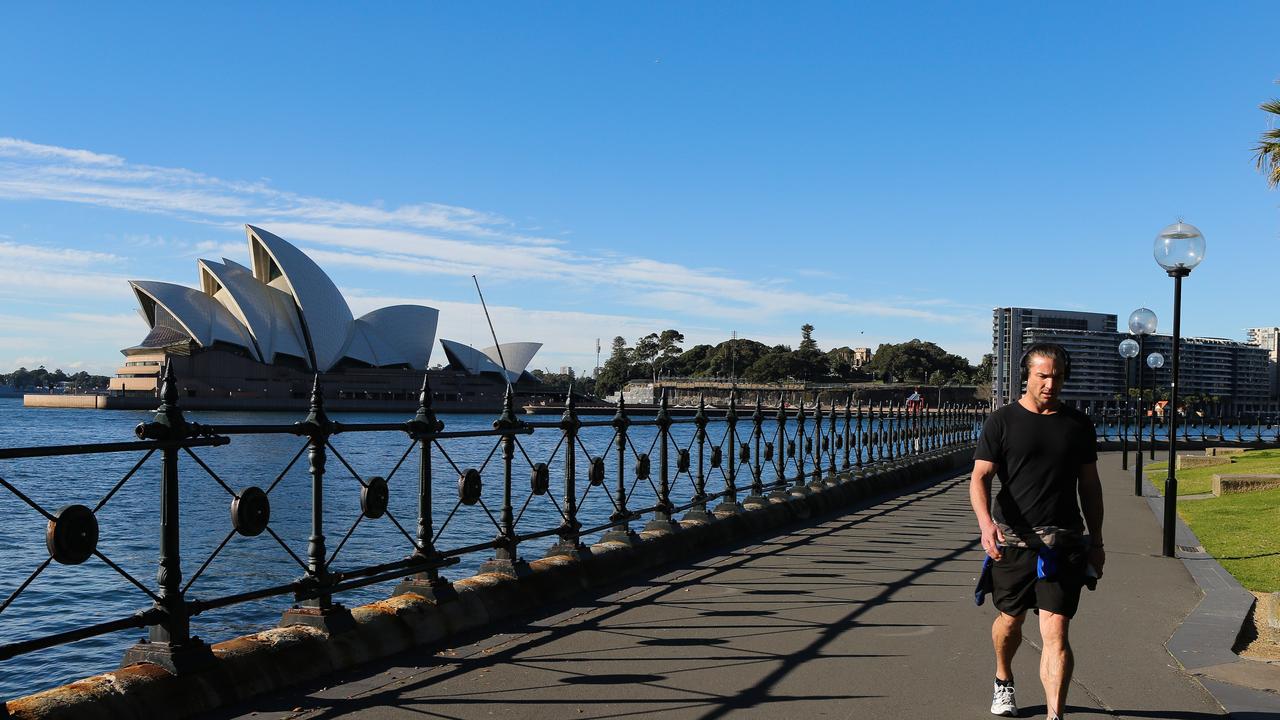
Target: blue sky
<point x="882" y="172"/>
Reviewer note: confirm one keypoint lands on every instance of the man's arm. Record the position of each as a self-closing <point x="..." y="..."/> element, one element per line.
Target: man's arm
<point x="980" y="499"/>
<point x="1091" y="506"/>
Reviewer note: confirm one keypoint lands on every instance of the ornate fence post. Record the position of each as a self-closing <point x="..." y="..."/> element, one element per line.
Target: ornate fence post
<point x="318" y="611"/>
<point x="831" y="443"/>
<point x="506" y="558"/>
<point x="757" y="479"/>
<point x="621" y="532"/>
<point x="784" y="448"/>
<point x="570" y="544"/>
<point x="169" y="643"/>
<point x="889" y="436"/>
<point x="814" y="444"/>
<point x="848" y="439"/>
<point x="930" y="424"/>
<point x="729" y="505"/>
<point x="699" y="510"/>
<point x="662" y="520"/>
<point x="801" y="474"/>
<point x="423" y="428"/>
<point x="859" y="439"/>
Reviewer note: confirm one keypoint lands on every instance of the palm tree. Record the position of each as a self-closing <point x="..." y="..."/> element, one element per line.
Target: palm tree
<point x="1268" y="148"/>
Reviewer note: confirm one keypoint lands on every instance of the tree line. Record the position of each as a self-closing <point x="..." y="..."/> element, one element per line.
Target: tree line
<point x="40" y="378"/>
<point x="659" y="355"/>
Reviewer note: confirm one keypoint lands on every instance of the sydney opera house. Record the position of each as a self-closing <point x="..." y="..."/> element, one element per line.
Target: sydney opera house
<point x="255" y="337"/>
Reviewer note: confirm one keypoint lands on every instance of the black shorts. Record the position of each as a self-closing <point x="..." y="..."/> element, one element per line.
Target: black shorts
<point x="1016" y="588"/>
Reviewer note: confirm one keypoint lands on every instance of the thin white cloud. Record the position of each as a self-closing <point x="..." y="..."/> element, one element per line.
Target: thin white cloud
<point x="424" y="239"/>
<point x="12" y="147"/>
<point x="85" y="341"/>
<point x="58" y="257"/>
<point x="30" y="283"/>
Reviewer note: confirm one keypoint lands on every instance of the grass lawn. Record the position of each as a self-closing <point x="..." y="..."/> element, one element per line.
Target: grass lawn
<point x="1240" y="530"/>
<point x="1194" y="481"/>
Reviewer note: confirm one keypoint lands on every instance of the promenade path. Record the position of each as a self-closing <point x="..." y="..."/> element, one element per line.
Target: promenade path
<point x="866" y="615"/>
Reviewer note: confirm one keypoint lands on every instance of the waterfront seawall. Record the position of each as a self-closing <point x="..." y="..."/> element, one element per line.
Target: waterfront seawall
<point x="263" y="662"/>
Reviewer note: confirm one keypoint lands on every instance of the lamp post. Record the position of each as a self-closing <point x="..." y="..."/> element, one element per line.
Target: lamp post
<point x="1155" y="361"/>
<point x="1128" y="350"/>
<point x="1142" y="322"/>
<point x="1178" y="249"/>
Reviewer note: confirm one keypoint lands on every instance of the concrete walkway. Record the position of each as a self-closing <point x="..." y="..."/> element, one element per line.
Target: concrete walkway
<point x="867" y="615"/>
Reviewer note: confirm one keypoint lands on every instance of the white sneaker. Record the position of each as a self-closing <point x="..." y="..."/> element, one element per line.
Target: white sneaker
<point x="1002" y="702"/>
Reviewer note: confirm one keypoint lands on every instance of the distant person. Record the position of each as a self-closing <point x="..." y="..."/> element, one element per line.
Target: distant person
<point x="1045" y="454"/>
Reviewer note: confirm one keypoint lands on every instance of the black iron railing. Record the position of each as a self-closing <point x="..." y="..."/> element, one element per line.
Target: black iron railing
<point x="647" y="469"/>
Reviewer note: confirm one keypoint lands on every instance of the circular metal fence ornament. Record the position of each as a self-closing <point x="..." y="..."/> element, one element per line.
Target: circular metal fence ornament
<point x="250" y="511"/>
<point x="539" y="479"/>
<point x="768" y="451"/>
<point x="469" y="486"/>
<point x="642" y="466"/>
<point x="596" y="474"/>
<point x="744" y="452"/>
<point x="808" y="446"/>
<point x="682" y="461"/>
<point x="715" y="456"/>
<point x="839" y="441"/>
<point x="373" y="497"/>
<point x="72" y="535"/>
<point x="825" y="442"/>
<point x="791" y="448"/>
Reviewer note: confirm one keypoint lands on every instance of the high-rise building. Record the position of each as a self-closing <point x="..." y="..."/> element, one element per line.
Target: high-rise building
<point x="1008" y="327"/>
<point x="1269" y="339"/>
<point x="1237" y="372"/>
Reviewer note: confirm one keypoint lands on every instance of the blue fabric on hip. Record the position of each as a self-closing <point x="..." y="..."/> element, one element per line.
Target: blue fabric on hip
<point x="985" y="584"/>
<point x="1046" y="563"/>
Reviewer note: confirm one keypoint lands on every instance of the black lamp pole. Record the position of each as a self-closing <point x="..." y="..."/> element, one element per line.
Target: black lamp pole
<point x="1151" y="446"/>
<point x="1171" y="481"/>
<point x="1124" y="419"/>
<point x="1137" y="435"/>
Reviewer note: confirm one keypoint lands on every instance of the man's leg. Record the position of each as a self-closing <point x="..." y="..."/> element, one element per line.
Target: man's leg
<point x="1056" y="661"/>
<point x="1006" y="636"/>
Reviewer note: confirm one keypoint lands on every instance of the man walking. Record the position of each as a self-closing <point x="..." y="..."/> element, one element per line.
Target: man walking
<point x="1045" y="455"/>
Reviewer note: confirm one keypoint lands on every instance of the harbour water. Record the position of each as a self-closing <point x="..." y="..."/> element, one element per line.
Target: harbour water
<point x="62" y="597"/>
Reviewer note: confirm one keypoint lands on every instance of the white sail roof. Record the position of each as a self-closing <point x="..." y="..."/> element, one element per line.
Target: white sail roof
<point x="468" y="358"/>
<point x="199" y="315"/>
<point x="287" y="306"/>
<point x="517" y="355"/>
<point x="409" y="329"/>
<point x="269" y="314"/>
<point x="326" y="318"/>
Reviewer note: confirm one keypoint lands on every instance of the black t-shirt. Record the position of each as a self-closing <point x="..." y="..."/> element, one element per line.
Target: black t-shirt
<point x="1038" y="459"/>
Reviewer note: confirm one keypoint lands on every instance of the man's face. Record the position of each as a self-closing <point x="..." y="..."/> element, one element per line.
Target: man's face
<point x="1044" y="379"/>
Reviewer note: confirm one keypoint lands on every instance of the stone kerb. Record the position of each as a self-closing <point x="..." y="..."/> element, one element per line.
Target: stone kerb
<point x="1225" y="484"/>
<point x="1219" y="451"/>
<point x="1195" y="461"/>
<point x="271" y="660"/>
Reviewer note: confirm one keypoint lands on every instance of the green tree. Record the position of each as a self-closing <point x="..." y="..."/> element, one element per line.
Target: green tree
<point x="1267" y="151"/>
<point x="775" y="366"/>
<point x="617" y="369"/>
<point x="807" y="343"/>
<point x="914" y="361"/>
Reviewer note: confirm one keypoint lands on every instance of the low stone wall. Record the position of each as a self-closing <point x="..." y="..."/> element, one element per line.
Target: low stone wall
<point x="1218" y="450"/>
<point x="92" y="402"/>
<point x="1226" y="484"/>
<point x="268" y="661"/>
<point x="1195" y="461"/>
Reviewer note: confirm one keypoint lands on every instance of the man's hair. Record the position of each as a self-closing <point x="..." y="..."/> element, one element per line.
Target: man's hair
<point x="1053" y="351"/>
